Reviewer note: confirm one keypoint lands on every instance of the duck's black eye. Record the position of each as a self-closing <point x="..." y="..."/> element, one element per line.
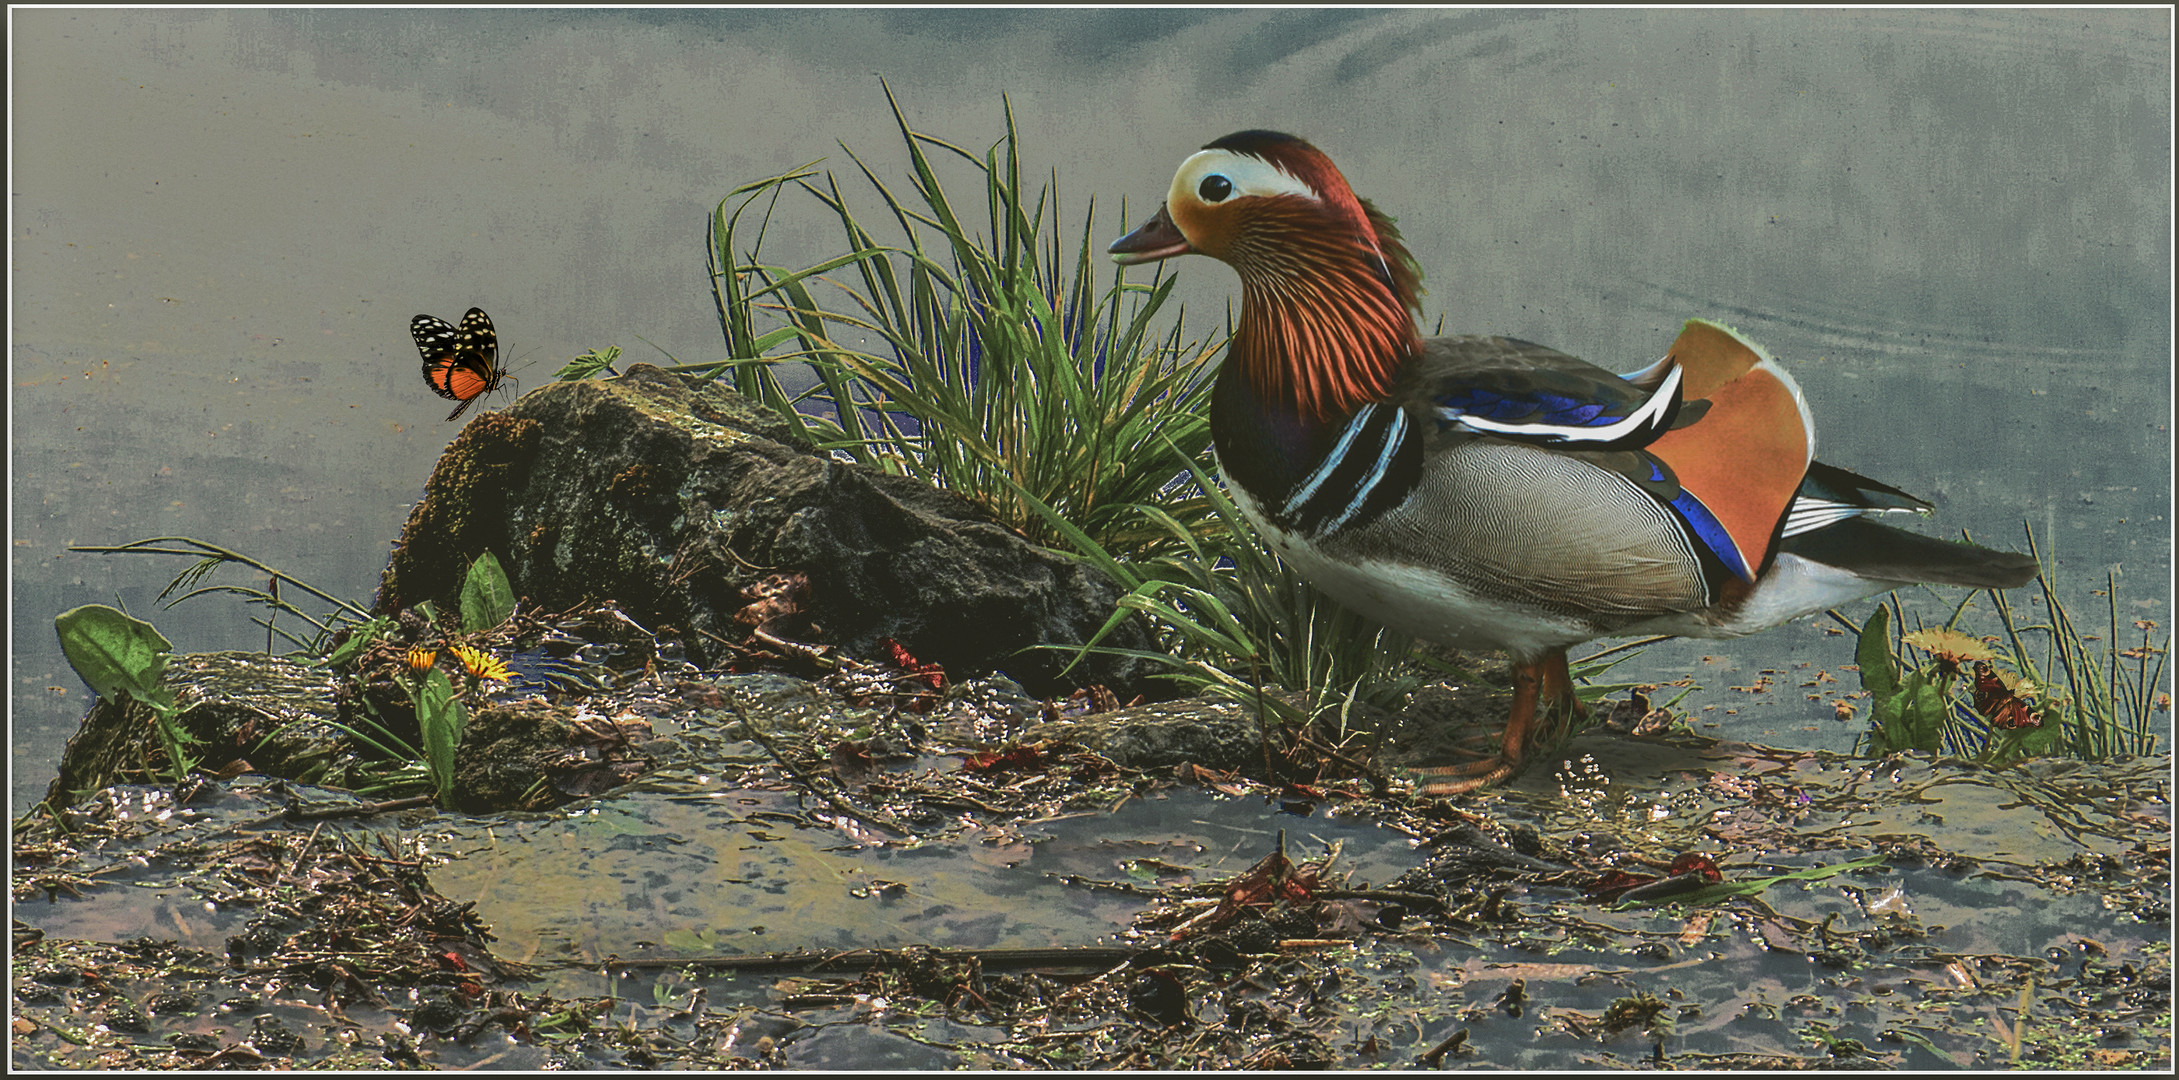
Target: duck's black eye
<point x="1214" y="188"/>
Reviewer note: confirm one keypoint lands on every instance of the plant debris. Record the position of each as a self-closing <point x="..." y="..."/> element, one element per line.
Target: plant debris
<point x="889" y="867"/>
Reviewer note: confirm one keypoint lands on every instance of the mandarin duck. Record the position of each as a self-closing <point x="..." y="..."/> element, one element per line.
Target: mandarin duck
<point x="1487" y="492"/>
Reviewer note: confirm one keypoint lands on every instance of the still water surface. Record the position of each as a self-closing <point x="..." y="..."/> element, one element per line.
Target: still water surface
<point x="1954" y="226"/>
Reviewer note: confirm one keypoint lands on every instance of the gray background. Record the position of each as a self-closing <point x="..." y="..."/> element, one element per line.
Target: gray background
<point x="1954" y="227"/>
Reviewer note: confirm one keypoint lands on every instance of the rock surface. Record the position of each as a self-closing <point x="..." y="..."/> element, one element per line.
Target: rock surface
<point x="277" y="714"/>
<point x="673" y="495"/>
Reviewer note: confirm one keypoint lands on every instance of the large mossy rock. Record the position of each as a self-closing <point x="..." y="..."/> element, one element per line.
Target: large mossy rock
<point x="671" y="495"/>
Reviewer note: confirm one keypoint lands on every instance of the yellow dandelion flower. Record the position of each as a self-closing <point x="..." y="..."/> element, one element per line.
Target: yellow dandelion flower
<point x="482" y="665"/>
<point x="1953" y="651"/>
<point x="420" y="660"/>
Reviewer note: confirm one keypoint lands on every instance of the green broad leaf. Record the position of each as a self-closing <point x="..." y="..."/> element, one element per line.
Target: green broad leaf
<point x="441" y="718"/>
<point x="1896" y="708"/>
<point x="1886" y="734"/>
<point x="487" y="599"/>
<point x="2043" y="741"/>
<point x="1923" y="709"/>
<point x="359" y="639"/>
<point x="1873" y="654"/>
<point x="115" y="652"/>
<point x="2008" y="746"/>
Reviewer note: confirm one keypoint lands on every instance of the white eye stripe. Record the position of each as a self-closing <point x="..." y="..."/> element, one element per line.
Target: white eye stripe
<point x="1249" y="176"/>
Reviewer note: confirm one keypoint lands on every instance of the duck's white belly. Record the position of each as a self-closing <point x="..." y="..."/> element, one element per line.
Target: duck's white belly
<point x="1793" y="588"/>
<point x="1419" y="601"/>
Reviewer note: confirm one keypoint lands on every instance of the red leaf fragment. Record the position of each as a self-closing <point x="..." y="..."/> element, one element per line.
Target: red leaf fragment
<point x="1273" y="881"/>
<point x="933" y="674"/>
<point x="1613" y="882"/>
<point x="1013" y="759"/>
<point x="1688" y="871"/>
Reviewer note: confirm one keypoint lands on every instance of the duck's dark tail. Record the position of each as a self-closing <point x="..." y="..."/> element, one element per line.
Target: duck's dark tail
<point x="1881" y="553"/>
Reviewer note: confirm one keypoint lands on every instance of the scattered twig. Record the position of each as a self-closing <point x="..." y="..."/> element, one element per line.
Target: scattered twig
<point x="1101" y="957"/>
<point x="1390" y="896"/>
<point x="1452" y="1042"/>
<point x="878" y="819"/>
<point x="296" y="812"/>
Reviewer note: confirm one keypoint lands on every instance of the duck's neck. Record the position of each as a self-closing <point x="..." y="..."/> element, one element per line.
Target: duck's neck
<point x="1324" y="330"/>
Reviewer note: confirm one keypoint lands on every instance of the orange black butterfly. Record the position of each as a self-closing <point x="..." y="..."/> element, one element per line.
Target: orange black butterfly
<point x="461" y="364"/>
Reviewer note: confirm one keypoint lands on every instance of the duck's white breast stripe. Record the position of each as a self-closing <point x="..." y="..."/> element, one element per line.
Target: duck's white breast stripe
<point x="1308" y="488"/>
<point x="1342" y="485"/>
<point x="1362" y="490"/>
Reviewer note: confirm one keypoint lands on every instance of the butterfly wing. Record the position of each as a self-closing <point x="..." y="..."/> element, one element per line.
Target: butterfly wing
<point x="460" y="363"/>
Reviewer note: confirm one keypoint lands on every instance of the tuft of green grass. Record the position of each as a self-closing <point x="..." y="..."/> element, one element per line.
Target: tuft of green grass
<point x="1998" y="698"/>
<point x="985" y="355"/>
<point x="979" y="352"/>
<point x="1234" y="617"/>
<point x="2103" y="698"/>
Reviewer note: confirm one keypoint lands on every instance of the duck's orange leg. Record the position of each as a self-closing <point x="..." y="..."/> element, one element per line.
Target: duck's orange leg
<point x="1544" y="683"/>
<point x="1559" y="697"/>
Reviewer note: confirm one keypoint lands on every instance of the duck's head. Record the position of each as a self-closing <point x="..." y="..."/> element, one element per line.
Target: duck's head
<point x="1328" y="290"/>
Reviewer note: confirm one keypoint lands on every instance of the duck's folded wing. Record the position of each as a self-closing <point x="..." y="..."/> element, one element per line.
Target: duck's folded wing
<point x="1525" y="392"/>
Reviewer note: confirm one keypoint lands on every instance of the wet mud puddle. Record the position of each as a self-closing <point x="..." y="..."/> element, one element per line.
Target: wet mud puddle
<point x="1903" y="913"/>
